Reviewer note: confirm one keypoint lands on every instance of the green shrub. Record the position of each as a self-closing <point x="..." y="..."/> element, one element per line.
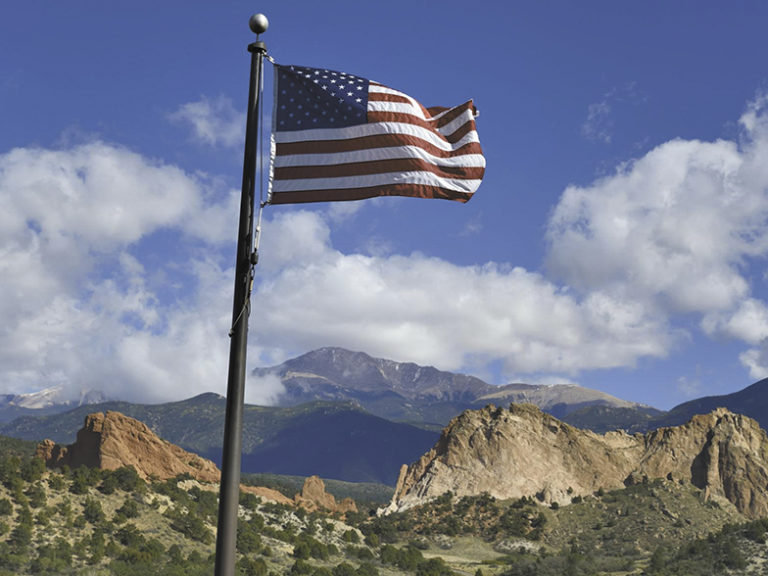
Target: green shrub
<point x="343" y="569"/>
<point x="92" y="511"/>
<point x="6" y="507"/>
<point x="301" y="567"/>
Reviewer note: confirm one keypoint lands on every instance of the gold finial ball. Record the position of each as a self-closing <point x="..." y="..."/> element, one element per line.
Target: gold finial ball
<point x="258" y="23"/>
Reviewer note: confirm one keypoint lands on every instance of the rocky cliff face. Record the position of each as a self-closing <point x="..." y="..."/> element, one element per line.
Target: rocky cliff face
<point x="525" y="452"/>
<point x="313" y="497"/>
<point x="112" y="440"/>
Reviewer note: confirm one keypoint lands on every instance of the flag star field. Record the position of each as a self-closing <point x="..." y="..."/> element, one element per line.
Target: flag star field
<point x="320" y="99"/>
<point x="548" y="193"/>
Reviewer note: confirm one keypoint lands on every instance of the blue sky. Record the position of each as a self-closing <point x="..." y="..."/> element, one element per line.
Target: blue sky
<point x="618" y="240"/>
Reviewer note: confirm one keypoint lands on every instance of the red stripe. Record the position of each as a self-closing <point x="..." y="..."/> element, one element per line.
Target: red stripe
<point x="412" y="190"/>
<point x="453" y="113"/>
<point x="385" y="97"/>
<point x="378" y="167"/>
<point x="370" y="142"/>
<point x="415" y="121"/>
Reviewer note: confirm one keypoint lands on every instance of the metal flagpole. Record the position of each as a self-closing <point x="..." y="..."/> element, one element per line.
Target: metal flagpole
<point x="229" y="490"/>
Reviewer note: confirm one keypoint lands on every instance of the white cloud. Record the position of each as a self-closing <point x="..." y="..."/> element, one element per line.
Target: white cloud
<point x="748" y="322"/>
<point x="600" y="123"/>
<point x="264" y="390"/>
<point x="76" y="304"/>
<point x="675" y="231"/>
<point x="112" y="275"/>
<point x="671" y="227"/>
<point x="756" y="361"/>
<point x="214" y="122"/>
<point x="430" y="311"/>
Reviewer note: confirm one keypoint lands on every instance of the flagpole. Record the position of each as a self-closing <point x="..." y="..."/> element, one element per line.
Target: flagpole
<point x="229" y="489"/>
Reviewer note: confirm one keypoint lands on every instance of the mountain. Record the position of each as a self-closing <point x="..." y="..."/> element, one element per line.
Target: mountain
<point x="52" y="400"/>
<point x="752" y="401"/>
<point x="560" y="400"/>
<point x="523" y="452"/>
<point x="601" y="418"/>
<point x="333" y="440"/>
<point x="397" y="391"/>
<point x="349" y="416"/>
<point x="407" y="392"/>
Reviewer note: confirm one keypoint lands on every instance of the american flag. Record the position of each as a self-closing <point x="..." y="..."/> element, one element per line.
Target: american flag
<point x="337" y="136"/>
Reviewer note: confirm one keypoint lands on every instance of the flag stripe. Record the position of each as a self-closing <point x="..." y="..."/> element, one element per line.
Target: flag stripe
<point x="372" y="180"/>
<point x="370" y="140"/>
<point x="451" y="133"/>
<point x="382" y="129"/>
<point x="377" y="167"/>
<point x="345" y="194"/>
<point x="300" y="151"/>
<point x="377" y="153"/>
<point x="389" y="112"/>
<point x="404" y="106"/>
<point x="379" y="92"/>
<point x="288" y="150"/>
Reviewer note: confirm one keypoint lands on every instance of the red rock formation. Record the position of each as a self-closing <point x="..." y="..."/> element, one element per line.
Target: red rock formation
<point x="110" y="441"/>
<point x="313" y="496"/>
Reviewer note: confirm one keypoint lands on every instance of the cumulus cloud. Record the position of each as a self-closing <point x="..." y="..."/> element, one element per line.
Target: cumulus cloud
<point x="430" y="311"/>
<point x="116" y="274"/>
<point x="675" y="232"/>
<point x="214" y="121"/>
<point x="77" y="306"/>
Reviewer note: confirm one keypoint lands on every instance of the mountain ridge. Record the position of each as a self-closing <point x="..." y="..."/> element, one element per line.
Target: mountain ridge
<point x="331" y="439"/>
<point x="351" y="394"/>
<point x="524" y="452"/>
<point x="50" y="400"/>
<point x="408" y="392"/>
<point x="751" y="401"/>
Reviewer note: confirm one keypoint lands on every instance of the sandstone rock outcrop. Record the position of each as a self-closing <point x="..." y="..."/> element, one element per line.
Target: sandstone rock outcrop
<point x="112" y="440"/>
<point x="525" y="452"/>
<point x="313" y="497"/>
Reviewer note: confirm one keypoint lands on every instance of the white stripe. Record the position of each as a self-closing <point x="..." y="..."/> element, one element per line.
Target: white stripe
<point x="370" y="180"/>
<point x="415" y="110"/>
<point x="444" y="112"/>
<point x="396" y="107"/>
<point x="375" y="129"/>
<point x="456" y="123"/>
<point x="374" y="154"/>
<point x="384" y="90"/>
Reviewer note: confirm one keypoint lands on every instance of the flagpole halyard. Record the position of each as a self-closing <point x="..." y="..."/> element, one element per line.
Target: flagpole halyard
<point x="229" y="489"/>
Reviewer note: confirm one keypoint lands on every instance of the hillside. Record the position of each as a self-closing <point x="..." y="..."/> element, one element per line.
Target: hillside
<point x="334" y="440"/>
<point x="90" y="522"/>
<point x="523" y="452"/>
<point x="752" y="401"/>
<point x="110" y="519"/>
